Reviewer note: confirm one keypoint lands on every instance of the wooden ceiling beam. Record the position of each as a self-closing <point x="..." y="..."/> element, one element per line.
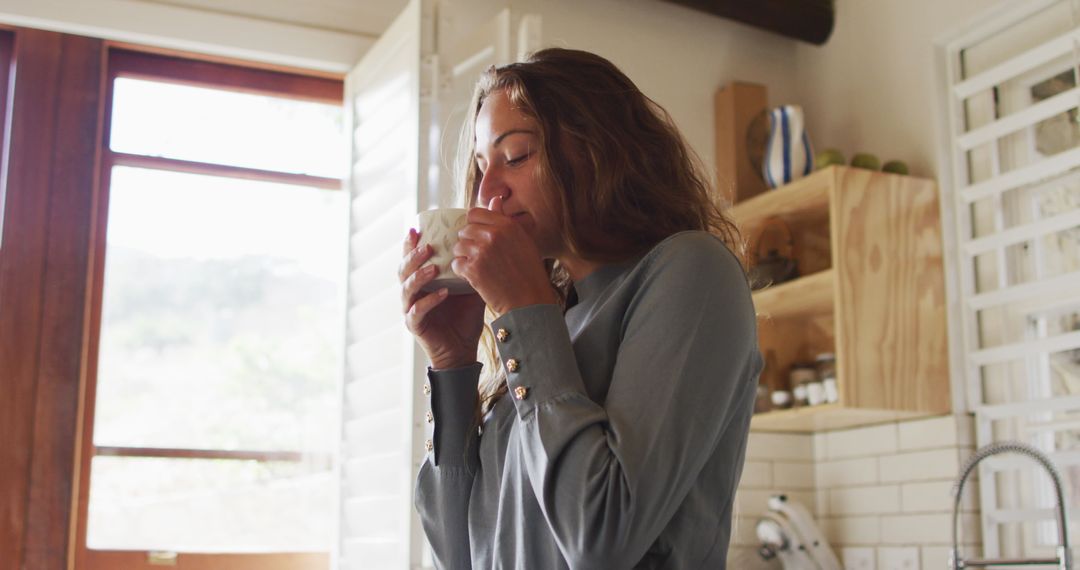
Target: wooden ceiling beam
<point x="807" y="20"/>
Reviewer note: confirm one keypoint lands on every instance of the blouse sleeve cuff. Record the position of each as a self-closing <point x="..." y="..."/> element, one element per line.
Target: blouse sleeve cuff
<point x="535" y="349"/>
<point x="452" y="401"/>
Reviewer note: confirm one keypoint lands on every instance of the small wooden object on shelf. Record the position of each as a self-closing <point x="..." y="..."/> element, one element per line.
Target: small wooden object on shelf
<point x="736" y="106"/>
<point x="872" y="292"/>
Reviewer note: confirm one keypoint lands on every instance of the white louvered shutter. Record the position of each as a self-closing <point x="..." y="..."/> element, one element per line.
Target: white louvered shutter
<point x="382" y="441"/>
<point x="1014" y="142"/>
<point x="407" y="101"/>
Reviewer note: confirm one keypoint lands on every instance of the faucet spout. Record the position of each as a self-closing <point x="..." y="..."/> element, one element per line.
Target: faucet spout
<point x="1063" y="558"/>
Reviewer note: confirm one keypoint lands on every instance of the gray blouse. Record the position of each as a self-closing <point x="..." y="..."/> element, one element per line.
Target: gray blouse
<point x="622" y="438"/>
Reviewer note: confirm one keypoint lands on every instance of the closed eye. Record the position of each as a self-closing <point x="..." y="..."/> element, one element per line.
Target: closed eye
<point x="518" y="160"/>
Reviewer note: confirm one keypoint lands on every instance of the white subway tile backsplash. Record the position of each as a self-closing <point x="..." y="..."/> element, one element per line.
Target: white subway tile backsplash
<point x="757" y="475"/>
<point x="881" y="494"/>
<point x="882" y="499"/>
<point x="832" y="474"/>
<point x="822" y="497"/>
<point x="793" y="475"/>
<point x="753" y="503"/>
<point x="935" y="556"/>
<point x="898" y="558"/>
<point x="861" y="442"/>
<point x="920" y="465"/>
<point x="930" y="433"/>
<point x="820" y="444"/>
<point x="781" y="446"/>
<point x="750" y="503"/>
<point x="743" y="529"/>
<point x="936" y="496"/>
<point x="854" y="531"/>
<point x="927" y="529"/>
<point x="858" y="558"/>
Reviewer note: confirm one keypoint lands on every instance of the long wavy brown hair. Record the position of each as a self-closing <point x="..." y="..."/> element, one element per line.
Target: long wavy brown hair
<point x="633" y="180"/>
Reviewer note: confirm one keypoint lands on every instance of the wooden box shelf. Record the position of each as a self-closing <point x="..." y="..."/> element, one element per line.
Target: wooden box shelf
<point x="872" y="292"/>
<point x="803" y="297"/>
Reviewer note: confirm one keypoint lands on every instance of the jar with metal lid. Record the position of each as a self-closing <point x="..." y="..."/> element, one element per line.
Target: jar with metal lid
<point x="802" y="376"/>
<point x="826" y="373"/>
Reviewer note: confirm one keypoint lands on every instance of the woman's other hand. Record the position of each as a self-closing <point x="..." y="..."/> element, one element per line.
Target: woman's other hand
<point x="499" y="259"/>
<point x="447" y="326"/>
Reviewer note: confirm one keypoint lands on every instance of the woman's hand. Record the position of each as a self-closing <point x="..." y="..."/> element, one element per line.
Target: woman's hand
<point x="501" y="261"/>
<point x="447" y="326"/>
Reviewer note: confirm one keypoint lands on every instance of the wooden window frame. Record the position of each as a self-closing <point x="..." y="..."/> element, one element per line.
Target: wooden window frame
<point x="7" y="57"/>
<point x="123" y="60"/>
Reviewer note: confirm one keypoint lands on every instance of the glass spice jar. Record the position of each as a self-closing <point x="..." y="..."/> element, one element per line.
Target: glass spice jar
<point x="801" y="377"/>
<point x="776" y="379"/>
<point x="825" y="363"/>
<point x="762" y="401"/>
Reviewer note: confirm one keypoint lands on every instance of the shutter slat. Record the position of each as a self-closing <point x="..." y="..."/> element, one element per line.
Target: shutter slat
<point x="1060" y="103"/>
<point x="1046" y="288"/>
<point x="1018" y="234"/>
<point x="1026" y="61"/>
<point x="1047" y="168"/>
<point x="1016" y="350"/>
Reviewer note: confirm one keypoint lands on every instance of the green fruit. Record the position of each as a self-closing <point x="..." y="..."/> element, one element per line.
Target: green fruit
<point x="896" y="167"/>
<point x="866" y="160"/>
<point x="828" y="157"/>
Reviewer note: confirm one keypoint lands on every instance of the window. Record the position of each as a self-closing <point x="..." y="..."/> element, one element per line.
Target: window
<point x="1015" y="149"/>
<point x="212" y="425"/>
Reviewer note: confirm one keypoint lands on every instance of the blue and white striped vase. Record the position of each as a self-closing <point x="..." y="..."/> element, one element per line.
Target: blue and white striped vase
<point x="788" y="154"/>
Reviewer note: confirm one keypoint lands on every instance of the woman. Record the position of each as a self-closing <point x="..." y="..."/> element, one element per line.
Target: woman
<point x="610" y="430"/>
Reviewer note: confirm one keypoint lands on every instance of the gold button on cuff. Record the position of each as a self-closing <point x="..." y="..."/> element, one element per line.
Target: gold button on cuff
<point x="427" y="389"/>
<point x="512" y="364"/>
<point x="429" y="445"/>
<point x="521" y="392"/>
<point x="502" y="335"/>
<point x="430" y="417"/>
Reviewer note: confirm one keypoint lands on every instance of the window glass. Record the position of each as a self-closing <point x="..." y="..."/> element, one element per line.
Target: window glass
<point x="222" y="317"/>
<point x="226" y="127"/>
<point x="210" y="505"/>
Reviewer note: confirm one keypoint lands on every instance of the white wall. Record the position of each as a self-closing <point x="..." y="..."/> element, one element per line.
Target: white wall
<point x="872" y="86"/>
<point x="677" y="56"/>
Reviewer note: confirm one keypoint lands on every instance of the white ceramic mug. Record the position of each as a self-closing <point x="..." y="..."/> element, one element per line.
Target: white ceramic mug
<point x="439" y="228"/>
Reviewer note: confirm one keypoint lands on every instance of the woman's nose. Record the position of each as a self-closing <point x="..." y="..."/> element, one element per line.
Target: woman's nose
<point x="491" y="185"/>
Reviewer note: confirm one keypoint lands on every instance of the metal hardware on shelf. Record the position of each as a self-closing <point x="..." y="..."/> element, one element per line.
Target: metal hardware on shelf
<point x="1063" y="556"/>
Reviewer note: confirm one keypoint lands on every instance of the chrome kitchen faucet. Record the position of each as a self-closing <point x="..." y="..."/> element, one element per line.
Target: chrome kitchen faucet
<point x="1063" y="560"/>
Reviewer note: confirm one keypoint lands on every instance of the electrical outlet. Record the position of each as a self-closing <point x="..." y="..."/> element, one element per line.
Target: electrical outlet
<point x="898" y="558"/>
<point x="858" y="558"/>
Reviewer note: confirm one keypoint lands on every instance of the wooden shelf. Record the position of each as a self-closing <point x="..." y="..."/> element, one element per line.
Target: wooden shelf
<point x="824" y="418"/>
<point x="805" y="296"/>
<point x="807" y="196"/>
<point x="873" y="294"/>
